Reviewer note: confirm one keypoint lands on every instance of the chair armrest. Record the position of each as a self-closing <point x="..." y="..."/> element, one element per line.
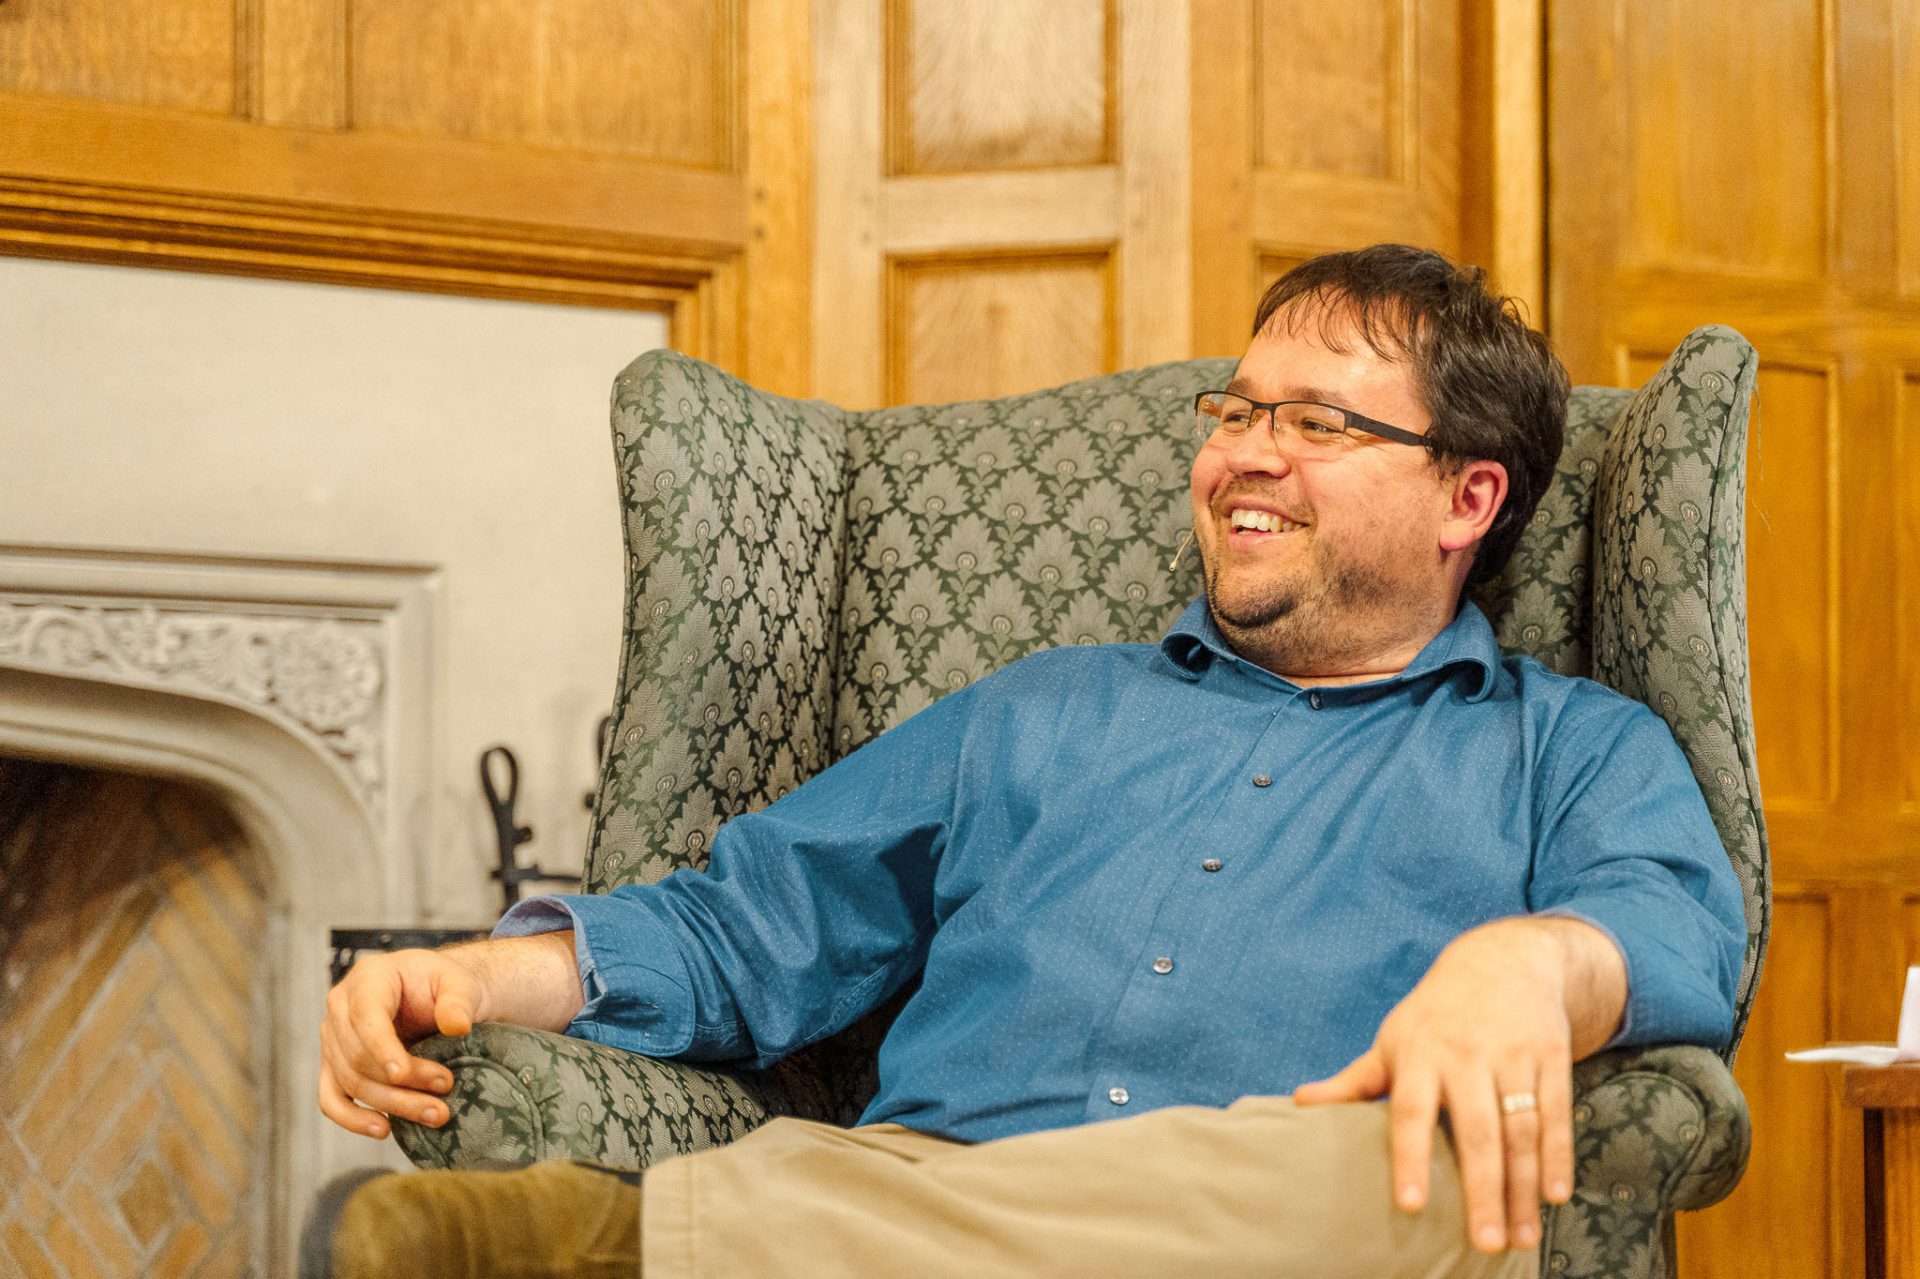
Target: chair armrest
<point x="521" y="1095"/>
<point x="1655" y="1131"/>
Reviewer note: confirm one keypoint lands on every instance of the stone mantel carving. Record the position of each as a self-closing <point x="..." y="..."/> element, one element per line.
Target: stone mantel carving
<point x="321" y="676"/>
<point x="323" y="650"/>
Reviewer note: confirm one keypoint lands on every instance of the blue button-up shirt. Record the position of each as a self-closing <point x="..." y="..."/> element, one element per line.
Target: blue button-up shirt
<point x="1141" y="875"/>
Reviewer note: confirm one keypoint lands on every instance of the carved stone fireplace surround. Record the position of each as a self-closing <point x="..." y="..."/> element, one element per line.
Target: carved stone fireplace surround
<point x="303" y="694"/>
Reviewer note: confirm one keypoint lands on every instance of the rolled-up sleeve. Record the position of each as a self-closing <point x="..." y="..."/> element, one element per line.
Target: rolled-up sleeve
<point x="810" y="912"/>
<point x="1626" y="844"/>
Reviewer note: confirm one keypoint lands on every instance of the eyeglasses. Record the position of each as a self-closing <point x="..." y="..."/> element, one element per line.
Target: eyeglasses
<point x="1315" y="426"/>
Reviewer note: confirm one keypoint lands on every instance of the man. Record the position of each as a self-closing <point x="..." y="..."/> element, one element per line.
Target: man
<point x="1321" y="840"/>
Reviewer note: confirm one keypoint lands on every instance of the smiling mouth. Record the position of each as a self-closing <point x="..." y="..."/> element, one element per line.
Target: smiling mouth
<point x="1245" y="522"/>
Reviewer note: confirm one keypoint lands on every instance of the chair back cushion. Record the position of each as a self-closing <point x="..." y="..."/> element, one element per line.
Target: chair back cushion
<point x="978" y="533"/>
<point x="1670" y="591"/>
<point x="733" y="503"/>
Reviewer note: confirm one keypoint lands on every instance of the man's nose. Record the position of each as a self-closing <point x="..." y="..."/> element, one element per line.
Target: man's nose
<point x="1258" y="448"/>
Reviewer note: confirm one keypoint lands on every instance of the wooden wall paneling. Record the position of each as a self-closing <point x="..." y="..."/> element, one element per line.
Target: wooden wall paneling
<point x="102" y="183"/>
<point x="1686" y="66"/>
<point x="1870" y="628"/>
<point x="278" y="178"/>
<point x="1905" y="132"/>
<point x="1432" y="136"/>
<point x="1867" y="141"/>
<point x="313" y="172"/>
<point x="651" y="80"/>
<point x="849" y="324"/>
<point x="1411" y="194"/>
<point x="1226" y="271"/>
<point x="1781" y="1206"/>
<point x="988" y="85"/>
<point x="1156" y="140"/>
<point x="1503" y="129"/>
<point x="1332" y="88"/>
<point x="1585" y="152"/>
<point x="179" y="55"/>
<point x="1905" y="523"/>
<point x="996" y="325"/>
<point x="777" y="261"/>
<point x="300" y="55"/>
<point x="1042" y="208"/>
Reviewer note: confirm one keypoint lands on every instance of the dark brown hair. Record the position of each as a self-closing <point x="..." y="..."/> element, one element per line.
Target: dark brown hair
<point x="1492" y="385"/>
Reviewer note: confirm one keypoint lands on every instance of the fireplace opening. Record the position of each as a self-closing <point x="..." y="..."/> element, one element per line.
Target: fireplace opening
<point x="137" y="1111"/>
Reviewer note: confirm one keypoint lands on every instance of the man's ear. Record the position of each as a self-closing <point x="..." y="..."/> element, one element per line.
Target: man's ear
<point x="1475" y="494"/>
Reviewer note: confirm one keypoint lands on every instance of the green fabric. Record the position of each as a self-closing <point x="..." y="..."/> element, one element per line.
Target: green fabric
<point x="733" y="504"/>
<point x="1670" y="585"/>
<point x="978" y="533"/>
<point x="801" y="578"/>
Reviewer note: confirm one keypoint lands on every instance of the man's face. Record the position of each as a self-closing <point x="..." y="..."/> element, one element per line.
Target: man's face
<point x="1356" y="556"/>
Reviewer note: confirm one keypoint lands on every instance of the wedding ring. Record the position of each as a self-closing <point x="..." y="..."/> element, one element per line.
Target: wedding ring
<point x="1515" y="1102"/>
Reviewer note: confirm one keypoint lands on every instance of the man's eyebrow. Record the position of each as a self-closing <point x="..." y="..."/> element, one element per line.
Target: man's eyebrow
<point x="1319" y="395"/>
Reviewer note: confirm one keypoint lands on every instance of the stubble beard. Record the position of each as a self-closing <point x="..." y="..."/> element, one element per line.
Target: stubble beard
<point x="1302" y="627"/>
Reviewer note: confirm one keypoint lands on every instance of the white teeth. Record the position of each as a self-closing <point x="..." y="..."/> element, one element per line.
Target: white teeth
<point x="1263" y="521"/>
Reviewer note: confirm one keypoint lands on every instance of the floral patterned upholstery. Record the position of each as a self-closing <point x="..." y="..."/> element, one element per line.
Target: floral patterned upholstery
<point x="801" y="577"/>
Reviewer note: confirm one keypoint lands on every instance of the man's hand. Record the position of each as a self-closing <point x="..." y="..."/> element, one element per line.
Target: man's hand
<point x="390" y="1000"/>
<point x="1503" y="1013"/>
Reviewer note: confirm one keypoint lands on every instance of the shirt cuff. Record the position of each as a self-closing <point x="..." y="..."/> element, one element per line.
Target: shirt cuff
<point x="1670" y="999"/>
<point x="638" y="995"/>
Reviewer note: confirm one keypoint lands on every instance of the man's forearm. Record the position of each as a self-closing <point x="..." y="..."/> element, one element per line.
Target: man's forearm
<point x="529" y="981"/>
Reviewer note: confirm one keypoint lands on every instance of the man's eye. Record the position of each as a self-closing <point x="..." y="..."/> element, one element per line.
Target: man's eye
<point x="1236" y="417"/>
<point x="1313" y="426"/>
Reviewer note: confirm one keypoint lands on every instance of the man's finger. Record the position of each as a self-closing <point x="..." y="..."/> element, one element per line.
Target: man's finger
<point x="1556" y="1130"/>
<point x="1481" y="1148"/>
<point x="370" y="1015"/>
<point x="351" y="1060"/>
<point x="1520" y="1125"/>
<point x="1363" y="1079"/>
<point x="1412" y="1113"/>
<point x="374" y="1100"/>
<point x="340" y="1108"/>
<point x="404" y="1103"/>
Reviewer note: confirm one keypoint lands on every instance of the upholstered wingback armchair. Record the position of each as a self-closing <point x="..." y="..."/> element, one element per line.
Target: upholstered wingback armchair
<point x="800" y="577"/>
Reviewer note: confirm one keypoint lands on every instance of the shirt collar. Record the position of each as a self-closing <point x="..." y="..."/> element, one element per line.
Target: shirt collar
<point x="1467" y="643"/>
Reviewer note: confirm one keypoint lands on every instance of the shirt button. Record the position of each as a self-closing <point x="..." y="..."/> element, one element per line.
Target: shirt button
<point x="1313" y="700"/>
<point x="1262" y="780"/>
<point x="1163" y="965"/>
<point x="1212" y="863"/>
<point x="1118" y="1096"/>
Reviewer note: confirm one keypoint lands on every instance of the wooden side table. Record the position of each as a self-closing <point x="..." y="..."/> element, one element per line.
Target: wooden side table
<point x="1889" y="1100"/>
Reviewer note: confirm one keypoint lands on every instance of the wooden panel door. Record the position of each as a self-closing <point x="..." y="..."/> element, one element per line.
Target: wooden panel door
<point x="1011" y="194"/>
<point x="1000" y="194"/>
<point x="1746" y="169"/>
<point x="1319" y="128"/>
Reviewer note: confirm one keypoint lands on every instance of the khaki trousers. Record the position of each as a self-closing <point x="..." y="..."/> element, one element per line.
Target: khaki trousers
<point x="1257" y="1189"/>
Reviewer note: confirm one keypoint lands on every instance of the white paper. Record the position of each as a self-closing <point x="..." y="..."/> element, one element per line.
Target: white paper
<point x="1906" y="1049"/>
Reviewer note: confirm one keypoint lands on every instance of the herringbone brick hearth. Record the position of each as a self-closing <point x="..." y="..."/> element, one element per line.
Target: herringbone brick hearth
<point x="133" y="1029"/>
